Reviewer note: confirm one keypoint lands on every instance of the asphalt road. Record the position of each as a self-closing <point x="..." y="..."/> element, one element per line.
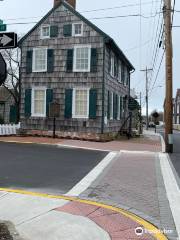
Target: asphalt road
<point x="47" y="169"/>
<point x="175" y="156"/>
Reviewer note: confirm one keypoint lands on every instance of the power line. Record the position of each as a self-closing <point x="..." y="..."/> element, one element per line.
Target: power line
<point x="95" y="18"/>
<point x="159" y="68"/>
<point x="136" y="47"/>
<point x="173" y="11"/>
<point x="118" y="7"/>
<point x="86" y="11"/>
<point x="130" y="15"/>
<point x="156" y="48"/>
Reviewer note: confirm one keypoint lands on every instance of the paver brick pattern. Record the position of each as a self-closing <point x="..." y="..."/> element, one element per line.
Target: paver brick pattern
<point x="117" y="225"/>
<point x="147" y="143"/>
<point x="130" y="181"/>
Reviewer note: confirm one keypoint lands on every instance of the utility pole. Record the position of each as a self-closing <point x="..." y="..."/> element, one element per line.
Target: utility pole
<point x="169" y="80"/>
<point x="147" y="96"/>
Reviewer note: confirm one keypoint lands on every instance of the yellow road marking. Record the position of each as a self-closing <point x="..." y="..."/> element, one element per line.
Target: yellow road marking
<point x="11" y="141"/>
<point x="147" y="225"/>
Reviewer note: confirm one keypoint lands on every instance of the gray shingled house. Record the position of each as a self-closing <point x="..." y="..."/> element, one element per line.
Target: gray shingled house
<point x="68" y="60"/>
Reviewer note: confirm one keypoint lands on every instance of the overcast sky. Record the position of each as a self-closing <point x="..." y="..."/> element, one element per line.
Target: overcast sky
<point x="125" y="31"/>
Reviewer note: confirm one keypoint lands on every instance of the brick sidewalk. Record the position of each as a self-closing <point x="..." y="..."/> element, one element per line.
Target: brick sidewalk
<point x="133" y="181"/>
<point x="146" y="143"/>
<point x="118" y="226"/>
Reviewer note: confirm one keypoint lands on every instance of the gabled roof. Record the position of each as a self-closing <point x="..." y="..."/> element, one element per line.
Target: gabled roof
<point x="107" y="38"/>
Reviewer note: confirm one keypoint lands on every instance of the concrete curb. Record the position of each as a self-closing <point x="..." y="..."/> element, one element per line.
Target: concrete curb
<point x="172" y="189"/>
<point x="157" y="233"/>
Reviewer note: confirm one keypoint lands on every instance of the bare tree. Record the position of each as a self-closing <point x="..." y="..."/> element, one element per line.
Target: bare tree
<point x="12" y="83"/>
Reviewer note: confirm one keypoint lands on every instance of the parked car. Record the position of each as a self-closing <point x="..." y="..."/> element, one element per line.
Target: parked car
<point x="151" y="124"/>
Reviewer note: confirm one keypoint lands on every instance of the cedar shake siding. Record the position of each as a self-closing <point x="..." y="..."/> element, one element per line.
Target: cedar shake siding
<point x="59" y="79"/>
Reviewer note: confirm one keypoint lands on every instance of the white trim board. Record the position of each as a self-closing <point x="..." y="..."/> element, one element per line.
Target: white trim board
<point x="91" y="177"/>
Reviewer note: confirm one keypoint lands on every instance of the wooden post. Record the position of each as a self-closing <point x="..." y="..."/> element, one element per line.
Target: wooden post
<point x="169" y="91"/>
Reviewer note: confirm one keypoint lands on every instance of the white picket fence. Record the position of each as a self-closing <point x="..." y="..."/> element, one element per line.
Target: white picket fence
<point x="177" y="126"/>
<point x="9" y="129"/>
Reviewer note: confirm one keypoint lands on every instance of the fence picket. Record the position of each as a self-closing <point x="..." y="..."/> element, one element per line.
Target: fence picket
<point x="9" y="129"/>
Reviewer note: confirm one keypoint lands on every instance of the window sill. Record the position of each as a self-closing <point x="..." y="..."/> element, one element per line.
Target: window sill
<point x="80" y="117"/>
<point x="38" y="116"/>
<point x="42" y="38"/>
<point x="39" y="71"/>
<point x="81" y="71"/>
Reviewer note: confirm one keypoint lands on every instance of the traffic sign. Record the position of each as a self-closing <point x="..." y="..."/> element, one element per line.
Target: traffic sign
<point x="3" y="70"/>
<point x="8" y="40"/>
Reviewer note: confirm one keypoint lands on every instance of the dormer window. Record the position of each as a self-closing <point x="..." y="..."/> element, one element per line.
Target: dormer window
<point x="45" y="31"/>
<point x="77" y="29"/>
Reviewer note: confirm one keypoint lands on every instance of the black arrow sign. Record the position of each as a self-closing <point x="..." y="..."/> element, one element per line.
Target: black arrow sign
<point x="8" y="40"/>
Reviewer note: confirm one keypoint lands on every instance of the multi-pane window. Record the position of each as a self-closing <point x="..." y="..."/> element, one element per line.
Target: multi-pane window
<point x="118" y="108"/>
<point x="119" y="72"/>
<point x="45" y="31"/>
<point x="39" y="102"/>
<point x="112" y="65"/>
<point x="77" y="29"/>
<point x="111" y="105"/>
<point x="39" y="60"/>
<point x="127" y="77"/>
<point x="80" y="103"/>
<point x="82" y="59"/>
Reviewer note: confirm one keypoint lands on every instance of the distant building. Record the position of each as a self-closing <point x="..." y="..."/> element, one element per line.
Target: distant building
<point x="176" y="108"/>
<point x="67" y="59"/>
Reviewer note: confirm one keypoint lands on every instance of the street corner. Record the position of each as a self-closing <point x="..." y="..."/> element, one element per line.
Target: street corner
<point x="63" y="217"/>
<point x="118" y="223"/>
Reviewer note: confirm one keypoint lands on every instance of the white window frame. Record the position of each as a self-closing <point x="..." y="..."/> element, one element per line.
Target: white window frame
<point x="125" y="76"/>
<point x="45" y="37"/>
<point x="39" y="70"/>
<point x="33" y="114"/>
<point x="119" y="110"/>
<point x="74" y="103"/>
<point x="73" y="29"/>
<point x="119" y="72"/>
<point x="178" y="107"/>
<point x="112" y="64"/>
<point x="111" y="109"/>
<point x="89" y="59"/>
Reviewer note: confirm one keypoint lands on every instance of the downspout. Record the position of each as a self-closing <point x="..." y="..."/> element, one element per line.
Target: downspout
<point x="103" y="89"/>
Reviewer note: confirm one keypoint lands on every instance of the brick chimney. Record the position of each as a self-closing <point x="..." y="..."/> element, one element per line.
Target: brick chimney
<point x="70" y="2"/>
